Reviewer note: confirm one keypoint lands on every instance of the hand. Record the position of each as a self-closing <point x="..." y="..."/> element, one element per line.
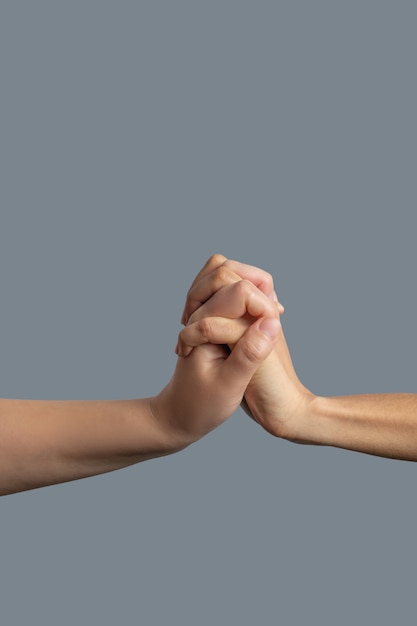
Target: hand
<point x="209" y="384"/>
<point x="274" y="397"/>
<point x="220" y="271"/>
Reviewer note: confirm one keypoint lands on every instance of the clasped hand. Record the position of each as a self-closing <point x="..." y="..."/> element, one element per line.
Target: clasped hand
<point x="232" y="351"/>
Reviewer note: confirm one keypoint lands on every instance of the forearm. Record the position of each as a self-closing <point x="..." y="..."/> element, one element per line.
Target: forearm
<point x="383" y="425"/>
<point x="49" y="442"/>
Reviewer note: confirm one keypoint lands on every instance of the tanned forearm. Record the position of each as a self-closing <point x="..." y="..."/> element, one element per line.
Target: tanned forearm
<point x="383" y="425"/>
<point x="48" y="442"/>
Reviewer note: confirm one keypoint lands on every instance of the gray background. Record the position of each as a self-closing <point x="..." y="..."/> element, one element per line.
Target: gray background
<point x="137" y="138"/>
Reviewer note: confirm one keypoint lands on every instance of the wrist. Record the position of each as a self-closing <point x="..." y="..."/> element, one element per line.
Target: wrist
<point x="172" y="438"/>
<point x="315" y="425"/>
<point x="299" y="426"/>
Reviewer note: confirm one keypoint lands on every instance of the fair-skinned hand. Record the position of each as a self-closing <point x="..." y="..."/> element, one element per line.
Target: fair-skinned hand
<point x="274" y="397"/>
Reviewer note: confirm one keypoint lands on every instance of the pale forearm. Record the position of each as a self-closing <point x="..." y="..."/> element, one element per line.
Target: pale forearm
<point x="383" y="425"/>
<point x="48" y="442"/>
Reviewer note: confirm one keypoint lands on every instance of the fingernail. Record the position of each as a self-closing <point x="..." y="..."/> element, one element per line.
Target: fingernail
<point x="270" y="327"/>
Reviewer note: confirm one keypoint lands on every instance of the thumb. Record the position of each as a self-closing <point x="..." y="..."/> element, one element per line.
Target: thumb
<point x="249" y="352"/>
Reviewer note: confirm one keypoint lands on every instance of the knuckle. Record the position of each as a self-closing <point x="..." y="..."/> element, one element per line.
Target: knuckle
<point x="205" y="328"/>
<point x="253" y="351"/>
<point x="227" y="263"/>
<point x="223" y="276"/>
<point x="216" y="259"/>
<point x="182" y="338"/>
<point x="244" y="287"/>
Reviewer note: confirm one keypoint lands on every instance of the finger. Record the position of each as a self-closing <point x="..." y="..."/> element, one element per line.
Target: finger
<point x="249" y="352"/>
<point x="235" y="300"/>
<point x="260" y="278"/>
<point x="211" y="264"/>
<point x="219" y="271"/>
<point x="206" y="287"/>
<point x="214" y="330"/>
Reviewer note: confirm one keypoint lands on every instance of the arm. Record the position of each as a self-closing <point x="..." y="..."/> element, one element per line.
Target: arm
<point x="49" y="442"/>
<point x="383" y="425"/>
<point x="379" y="424"/>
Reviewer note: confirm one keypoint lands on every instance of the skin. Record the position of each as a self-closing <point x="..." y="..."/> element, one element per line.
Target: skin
<point x="378" y="424"/>
<point x="49" y="442"/>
